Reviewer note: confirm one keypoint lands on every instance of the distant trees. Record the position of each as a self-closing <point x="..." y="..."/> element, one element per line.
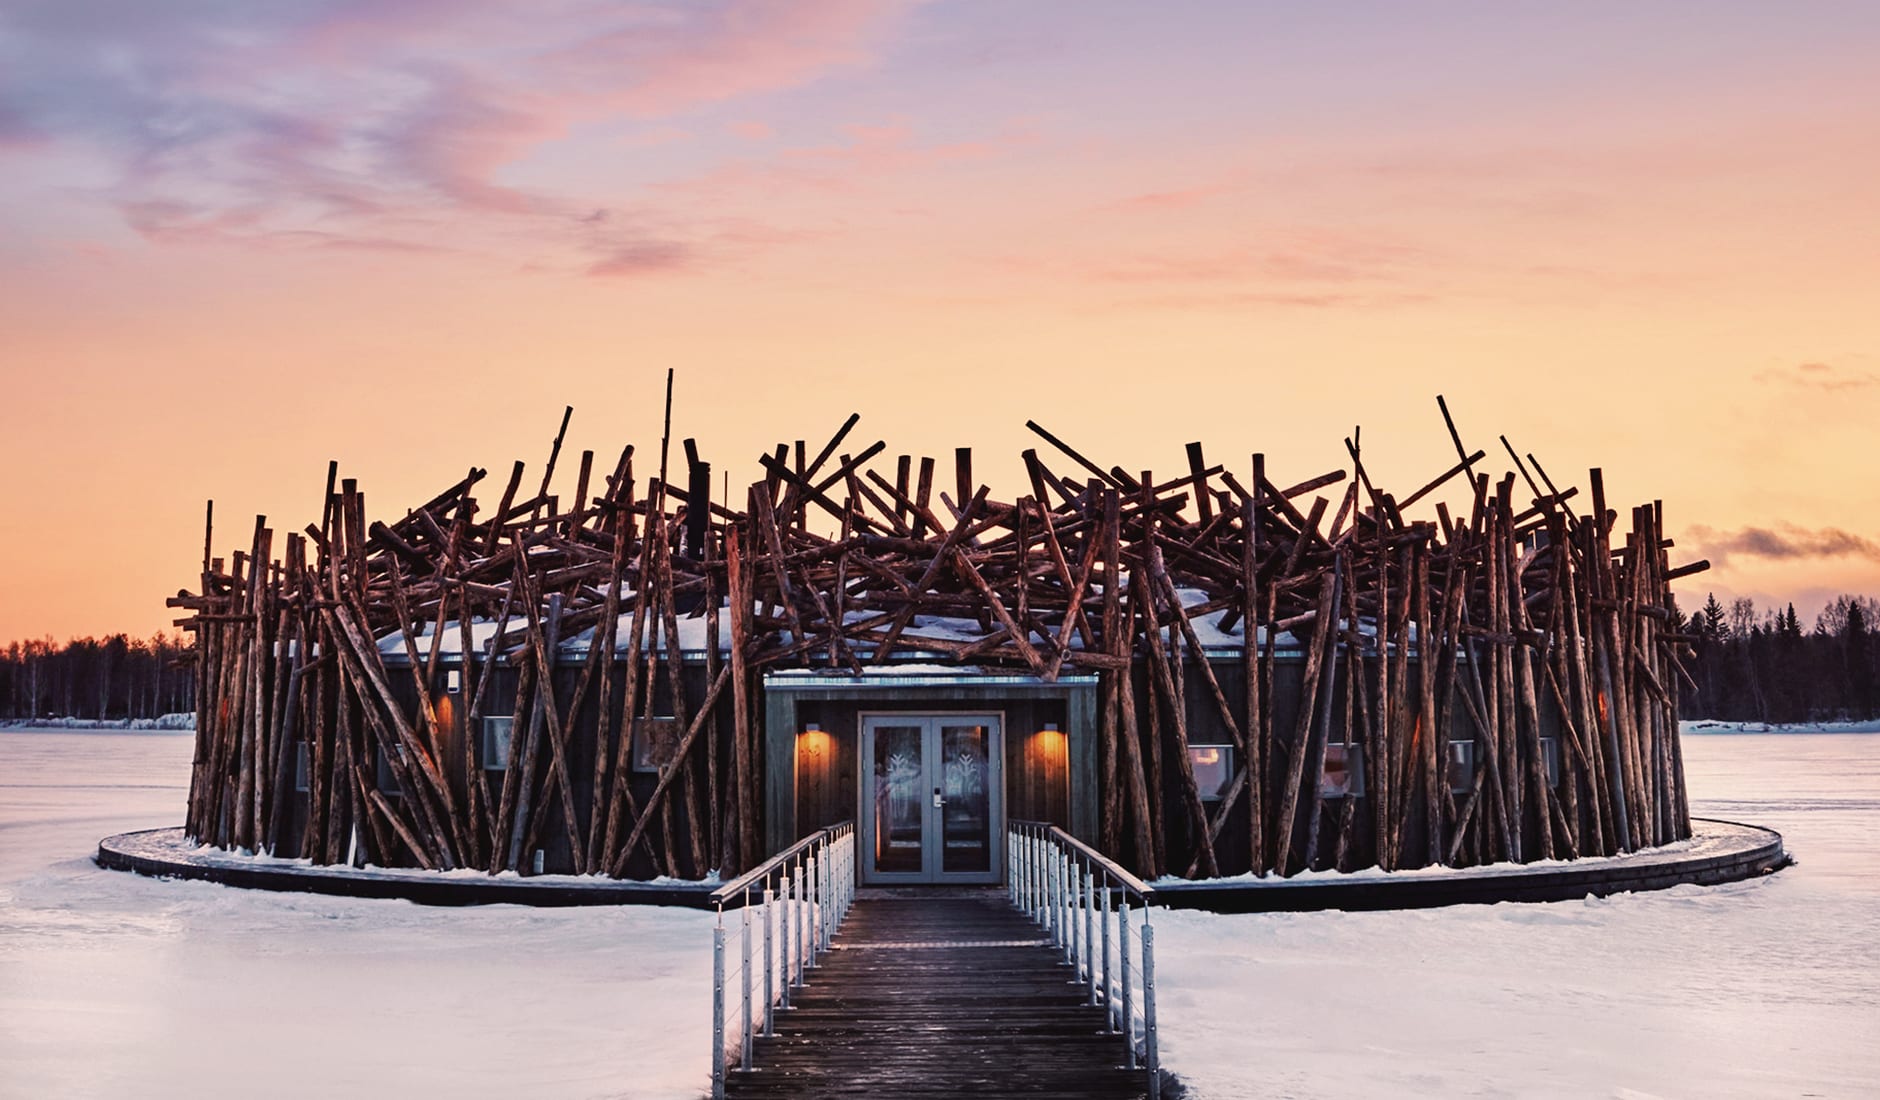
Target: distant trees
<point x="114" y="677"/>
<point x="1767" y="668"/>
<point x="1749" y="665"/>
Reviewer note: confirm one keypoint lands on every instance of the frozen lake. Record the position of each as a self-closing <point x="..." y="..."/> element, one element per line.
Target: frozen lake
<point x="113" y="985"/>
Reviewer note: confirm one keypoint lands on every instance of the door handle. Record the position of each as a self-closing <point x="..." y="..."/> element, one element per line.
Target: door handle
<point x="938" y="801"/>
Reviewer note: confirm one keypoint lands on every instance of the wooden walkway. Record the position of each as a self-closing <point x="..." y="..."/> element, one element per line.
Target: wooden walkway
<point x="939" y="994"/>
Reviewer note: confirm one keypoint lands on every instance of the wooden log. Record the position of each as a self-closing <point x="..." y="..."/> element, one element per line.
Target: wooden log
<point x="1142" y="812"/>
<point x="1173" y="696"/>
<point x="1298" y="751"/>
<point x="1115" y="684"/>
<point x="743" y="742"/>
<point x="1256" y="726"/>
<point x="668" y="775"/>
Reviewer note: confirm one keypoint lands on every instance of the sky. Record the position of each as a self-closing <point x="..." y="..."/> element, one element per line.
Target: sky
<point x="238" y="240"/>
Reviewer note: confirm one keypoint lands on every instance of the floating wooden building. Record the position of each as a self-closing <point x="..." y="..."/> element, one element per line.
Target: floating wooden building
<point x="1201" y="674"/>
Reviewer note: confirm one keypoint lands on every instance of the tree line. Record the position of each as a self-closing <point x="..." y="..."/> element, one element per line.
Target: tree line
<point x="1763" y="665"/>
<point x="1751" y="664"/>
<point x="108" y="678"/>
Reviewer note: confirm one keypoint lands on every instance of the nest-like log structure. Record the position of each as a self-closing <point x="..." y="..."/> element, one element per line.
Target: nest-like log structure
<point x="1513" y="619"/>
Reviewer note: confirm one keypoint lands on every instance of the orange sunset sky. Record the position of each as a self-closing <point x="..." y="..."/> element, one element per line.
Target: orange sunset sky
<point x="237" y="240"/>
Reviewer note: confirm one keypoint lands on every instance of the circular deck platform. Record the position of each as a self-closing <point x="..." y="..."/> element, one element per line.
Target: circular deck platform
<point x="1719" y="852"/>
<point x="167" y="853"/>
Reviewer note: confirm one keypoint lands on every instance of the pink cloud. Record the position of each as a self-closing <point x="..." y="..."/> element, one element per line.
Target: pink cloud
<point x="870" y="153"/>
<point x="390" y="120"/>
<point x="667" y="59"/>
<point x="643" y="258"/>
<point x="1178" y="199"/>
<point x="1289" y="257"/>
<point x="1819" y="377"/>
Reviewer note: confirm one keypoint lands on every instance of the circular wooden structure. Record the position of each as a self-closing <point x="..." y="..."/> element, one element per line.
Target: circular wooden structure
<point x="1198" y="675"/>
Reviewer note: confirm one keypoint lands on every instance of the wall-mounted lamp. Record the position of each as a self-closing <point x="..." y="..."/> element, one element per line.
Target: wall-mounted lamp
<point x="453" y="680"/>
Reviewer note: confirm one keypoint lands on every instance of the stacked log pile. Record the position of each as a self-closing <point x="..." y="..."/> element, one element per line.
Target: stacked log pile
<point x="1515" y="621"/>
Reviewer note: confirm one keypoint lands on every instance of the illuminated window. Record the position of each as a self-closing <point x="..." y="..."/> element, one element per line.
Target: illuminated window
<point x="1343" y="774"/>
<point x="1214" y="769"/>
<point x="655" y="743"/>
<point x="1461" y="766"/>
<point x="496" y="733"/>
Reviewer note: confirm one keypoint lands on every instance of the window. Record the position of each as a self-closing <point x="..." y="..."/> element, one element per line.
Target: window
<point x="1343" y="774"/>
<point x="300" y="765"/>
<point x="1550" y="756"/>
<point x="655" y="743"/>
<point x="388" y="779"/>
<point x="1461" y="767"/>
<point x="1214" y="769"/>
<point x="496" y="734"/>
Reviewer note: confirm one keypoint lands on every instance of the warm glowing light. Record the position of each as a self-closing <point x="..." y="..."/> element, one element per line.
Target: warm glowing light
<point x="1207" y="756"/>
<point x="813" y="741"/>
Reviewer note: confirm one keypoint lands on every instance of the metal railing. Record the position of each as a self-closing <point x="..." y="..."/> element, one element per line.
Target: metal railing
<point x="1082" y="899"/>
<point x="796" y="899"/>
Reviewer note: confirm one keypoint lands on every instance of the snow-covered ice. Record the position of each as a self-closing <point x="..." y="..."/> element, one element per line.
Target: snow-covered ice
<point x="115" y="985"/>
<point x="1757" y="989"/>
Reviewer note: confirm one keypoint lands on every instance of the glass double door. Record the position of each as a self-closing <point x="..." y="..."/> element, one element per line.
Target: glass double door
<point x="933" y="798"/>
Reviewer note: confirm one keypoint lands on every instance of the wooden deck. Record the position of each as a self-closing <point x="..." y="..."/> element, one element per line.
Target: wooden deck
<point x="931" y="994"/>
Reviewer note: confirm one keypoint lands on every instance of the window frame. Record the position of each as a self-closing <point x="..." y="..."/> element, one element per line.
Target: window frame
<point x="643" y="762"/>
<point x="1354" y="784"/>
<point x="1466" y="747"/>
<point x="1225" y="762"/>
<point x="493" y="748"/>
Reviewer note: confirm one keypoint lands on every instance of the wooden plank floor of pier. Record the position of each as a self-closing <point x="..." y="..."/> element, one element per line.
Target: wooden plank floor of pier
<point x="939" y="993"/>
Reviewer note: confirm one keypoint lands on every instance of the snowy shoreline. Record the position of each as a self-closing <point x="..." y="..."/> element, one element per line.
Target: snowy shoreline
<point x="166" y="723"/>
<point x="1717" y="726"/>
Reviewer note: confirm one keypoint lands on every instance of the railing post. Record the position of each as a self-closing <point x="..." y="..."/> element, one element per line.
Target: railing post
<point x="797" y="929"/>
<point x="1068" y="933"/>
<point x="1041" y="884"/>
<point x="1090" y="928"/>
<point x="1025" y="873"/>
<point x="1047" y="864"/>
<point x="1037" y="886"/>
<point x="822" y="899"/>
<point x="812" y="880"/>
<point x="1025" y="884"/>
<point x="1129" y="1009"/>
<point x="1148" y="1007"/>
<point x="746" y="982"/>
<point x="1074" y="898"/>
<point x="1049" y="855"/>
<point x="1028" y="903"/>
<point x="770" y="963"/>
<point x="1109" y="1000"/>
<point x="783" y="936"/>
<point x="718" y="1008"/>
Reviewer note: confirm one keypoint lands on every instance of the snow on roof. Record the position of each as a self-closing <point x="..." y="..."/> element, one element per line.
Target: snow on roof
<point x="692" y="639"/>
